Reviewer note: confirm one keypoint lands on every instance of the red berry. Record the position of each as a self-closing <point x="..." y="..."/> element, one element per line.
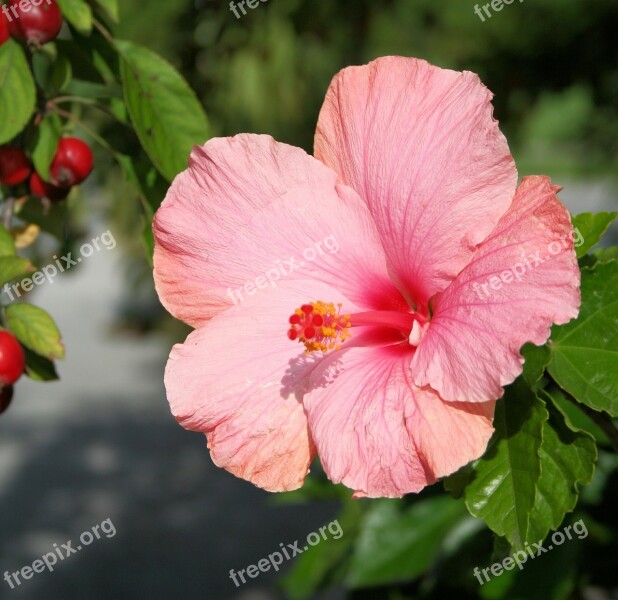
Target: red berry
<point x="6" y="395"/>
<point x="4" y="29"/>
<point x="38" y="24"/>
<point x="42" y="189"/>
<point x="73" y="162"/>
<point x="14" y="166"/>
<point x="12" y="359"/>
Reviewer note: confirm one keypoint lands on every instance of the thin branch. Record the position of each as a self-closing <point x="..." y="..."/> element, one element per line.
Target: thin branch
<point x="95" y="136"/>
<point x="55" y="102"/>
<point x="104" y="32"/>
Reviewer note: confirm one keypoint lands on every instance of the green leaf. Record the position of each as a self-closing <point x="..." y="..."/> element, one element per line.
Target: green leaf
<point x="151" y="188"/>
<point x="94" y="91"/>
<point x="12" y="267"/>
<point x="48" y="136"/>
<point x="39" y="368"/>
<point x="397" y="545"/>
<point x="575" y="416"/>
<point x="601" y="255"/>
<point x="60" y="74"/>
<point x="78" y="13"/>
<point x="591" y="226"/>
<point x="166" y="114"/>
<point x="17" y="90"/>
<point x="35" y="329"/>
<point x="567" y="462"/>
<point x="500" y="488"/>
<point x="41" y="64"/>
<point x="81" y="60"/>
<point x="7" y="246"/>
<point x="536" y="358"/>
<point x="111" y="8"/>
<point x="604" y="255"/>
<point x="585" y="351"/>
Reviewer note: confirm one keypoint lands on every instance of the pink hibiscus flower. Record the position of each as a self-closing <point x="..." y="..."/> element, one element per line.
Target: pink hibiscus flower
<point x="394" y="381"/>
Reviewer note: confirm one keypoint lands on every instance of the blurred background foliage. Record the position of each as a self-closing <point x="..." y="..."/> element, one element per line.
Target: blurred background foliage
<point x="553" y="67"/>
<point x="552" y="64"/>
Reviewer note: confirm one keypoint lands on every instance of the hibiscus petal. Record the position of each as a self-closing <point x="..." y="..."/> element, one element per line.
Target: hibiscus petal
<point x="239" y="379"/>
<point x="503" y="299"/>
<point x="379" y="434"/>
<point x="249" y="212"/>
<point x="420" y="146"/>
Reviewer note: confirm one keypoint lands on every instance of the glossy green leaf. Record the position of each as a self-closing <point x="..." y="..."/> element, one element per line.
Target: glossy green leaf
<point x="17" y="90"/>
<point x="500" y="487"/>
<point x="35" y="329"/>
<point x="78" y="13"/>
<point x="567" y="463"/>
<point x="397" y="544"/>
<point x="166" y="114"/>
<point x="536" y="359"/>
<point x="585" y="351"/>
<point x="591" y="226"/>
<point x="47" y="138"/>
<point x="575" y="416"/>
<point x="12" y="267"/>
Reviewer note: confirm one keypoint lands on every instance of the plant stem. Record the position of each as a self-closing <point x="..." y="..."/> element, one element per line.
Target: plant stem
<point x="60" y="99"/>
<point x="95" y="136"/>
<point x="104" y="32"/>
<point x="53" y="105"/>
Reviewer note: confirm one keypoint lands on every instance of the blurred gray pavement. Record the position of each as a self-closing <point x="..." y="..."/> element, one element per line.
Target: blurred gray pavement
<point x="100" y="444"/>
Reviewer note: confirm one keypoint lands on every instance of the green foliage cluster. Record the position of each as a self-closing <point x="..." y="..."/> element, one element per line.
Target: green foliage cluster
<point x="62" y="87"/>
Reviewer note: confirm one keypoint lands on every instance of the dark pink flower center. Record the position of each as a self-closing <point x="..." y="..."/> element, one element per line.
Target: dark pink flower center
<point x="320" y="326"/>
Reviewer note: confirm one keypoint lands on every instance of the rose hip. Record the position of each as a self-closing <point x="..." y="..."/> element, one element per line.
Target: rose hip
<point x="36" y="25"/>
<point x="14" y="166"/>
<point x="72" y="163"/>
